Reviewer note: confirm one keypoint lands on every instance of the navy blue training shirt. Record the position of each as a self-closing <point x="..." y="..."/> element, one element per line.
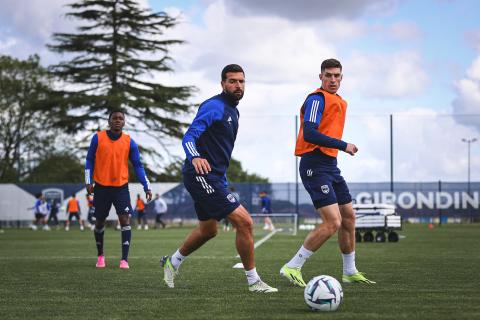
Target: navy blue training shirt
<point x="212" y="135"/>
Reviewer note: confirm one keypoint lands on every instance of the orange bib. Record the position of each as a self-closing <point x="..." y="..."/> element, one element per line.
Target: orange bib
<point x="332" y="123"/>
<point x="111" y="160"/>
<point x="72" y="205"/>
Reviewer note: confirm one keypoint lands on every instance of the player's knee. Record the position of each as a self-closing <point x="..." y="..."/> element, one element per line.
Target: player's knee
<point x="210" y="233"/>
<point x="246" y="225"/>
<point x="333" y="226"/>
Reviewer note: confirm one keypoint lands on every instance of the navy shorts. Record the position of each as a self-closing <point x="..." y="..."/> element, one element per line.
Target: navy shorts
<point x="104" y="197"/>
<point x="211" y="197"/>
<point x="73" y="214"/>
<point x="140" y="214"/>
<point x="324" y="184"/>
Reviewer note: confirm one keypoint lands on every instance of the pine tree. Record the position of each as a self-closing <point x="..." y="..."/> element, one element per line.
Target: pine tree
<point x="116" y="50"/>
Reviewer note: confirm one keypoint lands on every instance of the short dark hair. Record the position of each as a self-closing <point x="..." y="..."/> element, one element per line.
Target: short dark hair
<point x="115" y="111"/>
<point x="330" y="63"/>
<point x="231" y="68"/>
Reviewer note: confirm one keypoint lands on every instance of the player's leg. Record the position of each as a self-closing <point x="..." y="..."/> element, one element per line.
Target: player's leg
<point x="102" y="204"/>
<point x="243" y="223"/>
<point x="206" y="230"/>
<point x="121" y="202"/>
<point x="139" y="220"/>
<point x="318" y="182"/>
<point x="346" y="241"/>
<point x="80" y="221"/>
<point x="67" y="223"/>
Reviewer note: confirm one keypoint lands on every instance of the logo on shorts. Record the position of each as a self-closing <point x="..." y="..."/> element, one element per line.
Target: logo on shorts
<point x="231" y="198"/>
<point x="126" y="209"/>
<point x="325" y="189"/>
<point x="309" y="172"/>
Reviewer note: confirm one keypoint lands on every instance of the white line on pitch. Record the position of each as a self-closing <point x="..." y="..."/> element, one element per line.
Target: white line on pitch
<point x="256" y="245"/>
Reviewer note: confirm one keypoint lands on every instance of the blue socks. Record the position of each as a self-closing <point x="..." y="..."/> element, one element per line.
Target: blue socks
<point x="99" y="240"/>
<point x="126" y="238"/>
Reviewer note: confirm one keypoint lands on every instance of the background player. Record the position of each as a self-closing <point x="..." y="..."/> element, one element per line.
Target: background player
<point x="318" y="142"/>
<point x="41" y="210"/>
<point x="266" y="207"/>
<point x="106" y="175"/>
<point x="140" y="211"/>
<point x="73" y="210"/>
<point x="208" y="144"/>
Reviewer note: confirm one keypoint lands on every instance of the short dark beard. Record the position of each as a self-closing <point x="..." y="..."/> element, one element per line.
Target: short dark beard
<point x="232" y="97"/>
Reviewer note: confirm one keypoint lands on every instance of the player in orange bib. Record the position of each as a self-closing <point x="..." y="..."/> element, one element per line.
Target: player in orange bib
<point x="140" y="211"/>
<point x="73" y="211"/>
<point x="107" y="168"/>
<point x="320" y="137"/>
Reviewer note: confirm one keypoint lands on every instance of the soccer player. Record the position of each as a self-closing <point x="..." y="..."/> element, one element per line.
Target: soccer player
<point x="106" y="175"/>
<point x="73" y="210"/>
<point x="140" y="210"/>
<point x="208" y="144"/>
<point x="266" y="206"/>
<point x="41" y="209"/>
<point x="323" y="118"/>
<point x="160" y="207"/>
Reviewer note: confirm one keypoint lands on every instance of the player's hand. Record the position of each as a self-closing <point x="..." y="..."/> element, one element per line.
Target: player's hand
<point x="89" y="189"/>
<point x="351" y="149"/>
<point x="148" y="194"/>
<point x="201" y="165"/>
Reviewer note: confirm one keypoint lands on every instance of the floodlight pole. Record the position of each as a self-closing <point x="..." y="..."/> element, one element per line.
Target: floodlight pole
<point x="469" y="142"/>
<point x="296" y="167"/>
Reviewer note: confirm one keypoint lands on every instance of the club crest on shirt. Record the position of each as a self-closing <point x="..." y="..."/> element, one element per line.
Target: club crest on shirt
<point x="231" y="198"/>
<point x="325" y="189"/>
<point x="229" y="120"/>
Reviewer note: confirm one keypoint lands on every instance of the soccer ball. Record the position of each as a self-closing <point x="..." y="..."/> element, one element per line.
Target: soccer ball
<point x="323" y="293"/>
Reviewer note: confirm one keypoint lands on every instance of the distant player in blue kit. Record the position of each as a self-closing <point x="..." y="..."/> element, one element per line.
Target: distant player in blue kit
<point x="208" y="144"/>
<point x="266" y="207"/>
<point x="106" y="175"/>
<point x="323" y="118"/>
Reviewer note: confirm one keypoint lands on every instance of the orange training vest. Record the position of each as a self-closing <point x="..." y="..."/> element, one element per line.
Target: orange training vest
<point x="140" y="204"/>
<point x="332" y="123"/>
<point x="72" y="205"/>
<point x="111" y="160"/>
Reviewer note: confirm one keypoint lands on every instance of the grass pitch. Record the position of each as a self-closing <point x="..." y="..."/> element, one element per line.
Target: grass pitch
<point x="429" y="274"/>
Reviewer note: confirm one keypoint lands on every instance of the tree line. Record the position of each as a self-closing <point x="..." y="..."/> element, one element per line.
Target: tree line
<point x="48" y="114"/>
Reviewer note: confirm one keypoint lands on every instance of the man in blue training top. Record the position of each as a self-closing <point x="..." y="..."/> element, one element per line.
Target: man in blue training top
<point x="208" y="144"/>
<point x="266" y="206"/>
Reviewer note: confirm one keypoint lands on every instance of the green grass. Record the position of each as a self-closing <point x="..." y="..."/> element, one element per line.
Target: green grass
<point x="430" y="274"/>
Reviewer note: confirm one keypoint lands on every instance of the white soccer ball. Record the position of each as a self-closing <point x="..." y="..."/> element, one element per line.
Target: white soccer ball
<point x="323" y="293"/>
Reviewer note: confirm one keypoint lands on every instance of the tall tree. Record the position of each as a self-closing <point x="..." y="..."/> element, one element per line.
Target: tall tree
<point x="116" y="50"/>
<point x="26" y="133"/>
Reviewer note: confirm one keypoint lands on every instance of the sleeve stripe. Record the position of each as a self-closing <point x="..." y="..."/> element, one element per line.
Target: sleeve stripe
<point x="192" y="149"/>
<point x="313" y="112"/>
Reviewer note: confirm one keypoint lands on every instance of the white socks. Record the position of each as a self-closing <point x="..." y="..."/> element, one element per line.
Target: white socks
<point x="300" y="257"/>
<point x="177" y="259"/>
<point x="349" y="267"/>
<point x="252" y="276"/>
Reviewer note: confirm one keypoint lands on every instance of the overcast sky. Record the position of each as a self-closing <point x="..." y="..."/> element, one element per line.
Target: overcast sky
<point x="417" y="60"/>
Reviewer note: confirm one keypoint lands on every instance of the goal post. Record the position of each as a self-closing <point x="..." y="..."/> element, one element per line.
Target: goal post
<point x="285" y="223"/>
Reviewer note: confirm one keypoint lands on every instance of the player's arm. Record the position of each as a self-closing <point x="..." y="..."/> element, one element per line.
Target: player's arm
<point x="134" y="156"/>
<point x="314" y="107"/>
<point x="90" y="163"/>
<point x="207" y="114"/>
<point x="79" y="209"/>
